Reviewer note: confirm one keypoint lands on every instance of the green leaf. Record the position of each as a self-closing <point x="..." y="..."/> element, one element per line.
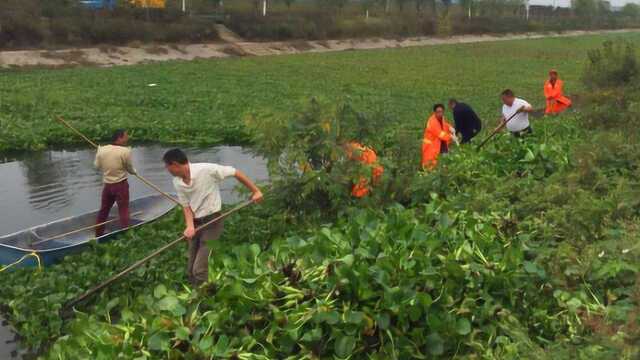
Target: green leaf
<point x="222" y="346"/>
<point x="183" y="333"/>
<point x="529" y="156"/>
<point x="435" y="344"/>
<point x="533" y="268"/>
<point x="348" y="260"/>
<point x="329" y="317"/>
<point x="415" y="312"/>
<point x="463" y="326"/>
<point x="574" y="304"/>
<point x="159" y="291"/>
<point x="205" y="344"/>
<point x="113" y="303"/>
<point x="344" y="346"/>
<point x="255" y="250"/>
<point x="172" y="304"/>
<point x="383" y="321"/>
<point x="313" y="335"/>
<point x="159" y="341"/>
<point x="355" y="317"/>
<point x="327" y="232"/>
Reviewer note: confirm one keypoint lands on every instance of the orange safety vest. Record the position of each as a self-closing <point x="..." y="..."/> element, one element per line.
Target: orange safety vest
<point x="434" y="135"/>
<point x="556" y="102"/>
<point x="366" y="156"/>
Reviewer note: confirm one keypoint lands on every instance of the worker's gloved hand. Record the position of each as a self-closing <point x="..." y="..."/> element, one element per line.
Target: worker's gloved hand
<point x="455" y="139"/>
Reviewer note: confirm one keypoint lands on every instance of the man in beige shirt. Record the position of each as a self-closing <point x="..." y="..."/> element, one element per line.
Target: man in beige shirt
<point x="115" y="162"/>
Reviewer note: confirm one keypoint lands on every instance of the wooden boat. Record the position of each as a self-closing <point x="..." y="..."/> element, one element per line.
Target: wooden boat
<point x="57" y="239"/>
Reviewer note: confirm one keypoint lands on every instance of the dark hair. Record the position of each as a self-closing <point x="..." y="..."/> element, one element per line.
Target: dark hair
<point x="436" y="106"/>
<point x="453" y="101"/>
<point x="508" y="92"/>
<point x="175" y="156"/>
<point x="117" y="135"/>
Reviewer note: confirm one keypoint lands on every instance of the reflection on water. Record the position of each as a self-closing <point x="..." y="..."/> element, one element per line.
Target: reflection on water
<point x="39" y="187"/>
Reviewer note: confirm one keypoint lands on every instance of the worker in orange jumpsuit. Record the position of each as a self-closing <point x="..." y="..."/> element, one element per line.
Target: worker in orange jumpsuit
<point x="438" y="135"/>
<point x="358" y="152"/>
<point x="556" y="101"/>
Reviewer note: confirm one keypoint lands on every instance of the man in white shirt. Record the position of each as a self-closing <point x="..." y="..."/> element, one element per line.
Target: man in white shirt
<point x="515" y="112"/>
<point x="198" y="189"/>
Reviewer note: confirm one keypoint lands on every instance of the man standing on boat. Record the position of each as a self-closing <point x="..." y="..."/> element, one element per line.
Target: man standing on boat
<point x="115" y="162"/>
<point x="198" y="189"/>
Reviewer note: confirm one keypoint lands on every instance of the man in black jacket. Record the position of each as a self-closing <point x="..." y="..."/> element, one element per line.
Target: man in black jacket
<point x="467" y="121"/>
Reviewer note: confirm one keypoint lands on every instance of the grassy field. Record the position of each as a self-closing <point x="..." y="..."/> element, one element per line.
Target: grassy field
<point x="527" y="249"/>
<point x="204" y="102"/>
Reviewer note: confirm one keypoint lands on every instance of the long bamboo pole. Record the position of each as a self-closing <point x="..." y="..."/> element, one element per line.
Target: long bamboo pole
<point x="80" y="230"/>
<point x="145" y="181"/>
<point x="142" y="261"/>
<point x="496" y="130"/>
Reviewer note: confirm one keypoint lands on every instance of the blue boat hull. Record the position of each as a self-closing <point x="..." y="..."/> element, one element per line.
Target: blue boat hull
<point x="27" y="246"/>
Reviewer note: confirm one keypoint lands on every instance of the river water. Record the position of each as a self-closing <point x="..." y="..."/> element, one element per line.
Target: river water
<point x="39" y="187"/>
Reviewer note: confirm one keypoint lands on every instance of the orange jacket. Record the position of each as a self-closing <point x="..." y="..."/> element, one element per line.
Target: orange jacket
<point x="367" y="156"/>
<point x="556" y="101"/>
<point x="434" y="135"/>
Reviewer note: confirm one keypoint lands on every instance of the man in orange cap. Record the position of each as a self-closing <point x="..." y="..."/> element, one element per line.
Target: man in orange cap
<point x="556" y="101"/>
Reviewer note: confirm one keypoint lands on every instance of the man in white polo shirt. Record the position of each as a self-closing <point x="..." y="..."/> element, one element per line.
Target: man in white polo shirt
<point x="198" y="189"/>
<point x="515" y="112"/>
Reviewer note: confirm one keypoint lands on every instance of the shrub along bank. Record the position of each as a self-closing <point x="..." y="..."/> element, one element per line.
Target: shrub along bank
<point x="56" y="23"/>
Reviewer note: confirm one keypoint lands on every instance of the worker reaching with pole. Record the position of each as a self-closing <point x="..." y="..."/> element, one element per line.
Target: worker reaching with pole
<point x="438" y="134"/>
<point x="114" y="161"/>
<point x="515" y="114"/>
<point x="198" y="189"/>
<point x="367" y="156"/>
<point x="553" y="92"/>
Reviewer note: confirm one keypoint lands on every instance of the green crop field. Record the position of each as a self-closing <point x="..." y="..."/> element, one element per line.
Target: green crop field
<point x="525" y="249"/>
<point x="204" y="102"/>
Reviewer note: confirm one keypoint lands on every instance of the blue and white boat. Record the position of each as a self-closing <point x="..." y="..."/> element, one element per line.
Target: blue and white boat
<point x="55" y="240"/>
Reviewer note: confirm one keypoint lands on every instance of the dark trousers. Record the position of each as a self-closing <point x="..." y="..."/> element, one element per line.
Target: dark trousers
<point x="467" y="136"/>
<point x="114" y="193"/>
<point x="198" y="265"/>
<point x="523" y="133"/>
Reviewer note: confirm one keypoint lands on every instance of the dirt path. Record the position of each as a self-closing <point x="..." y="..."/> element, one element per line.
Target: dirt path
<point x="8" y="346"/>
<point x="233" y="46"/>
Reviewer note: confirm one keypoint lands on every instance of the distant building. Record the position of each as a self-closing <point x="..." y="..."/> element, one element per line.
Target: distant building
<point x="99" y="4"/>
<point x="110" y="4"/>
<point x="155" y="4"/>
